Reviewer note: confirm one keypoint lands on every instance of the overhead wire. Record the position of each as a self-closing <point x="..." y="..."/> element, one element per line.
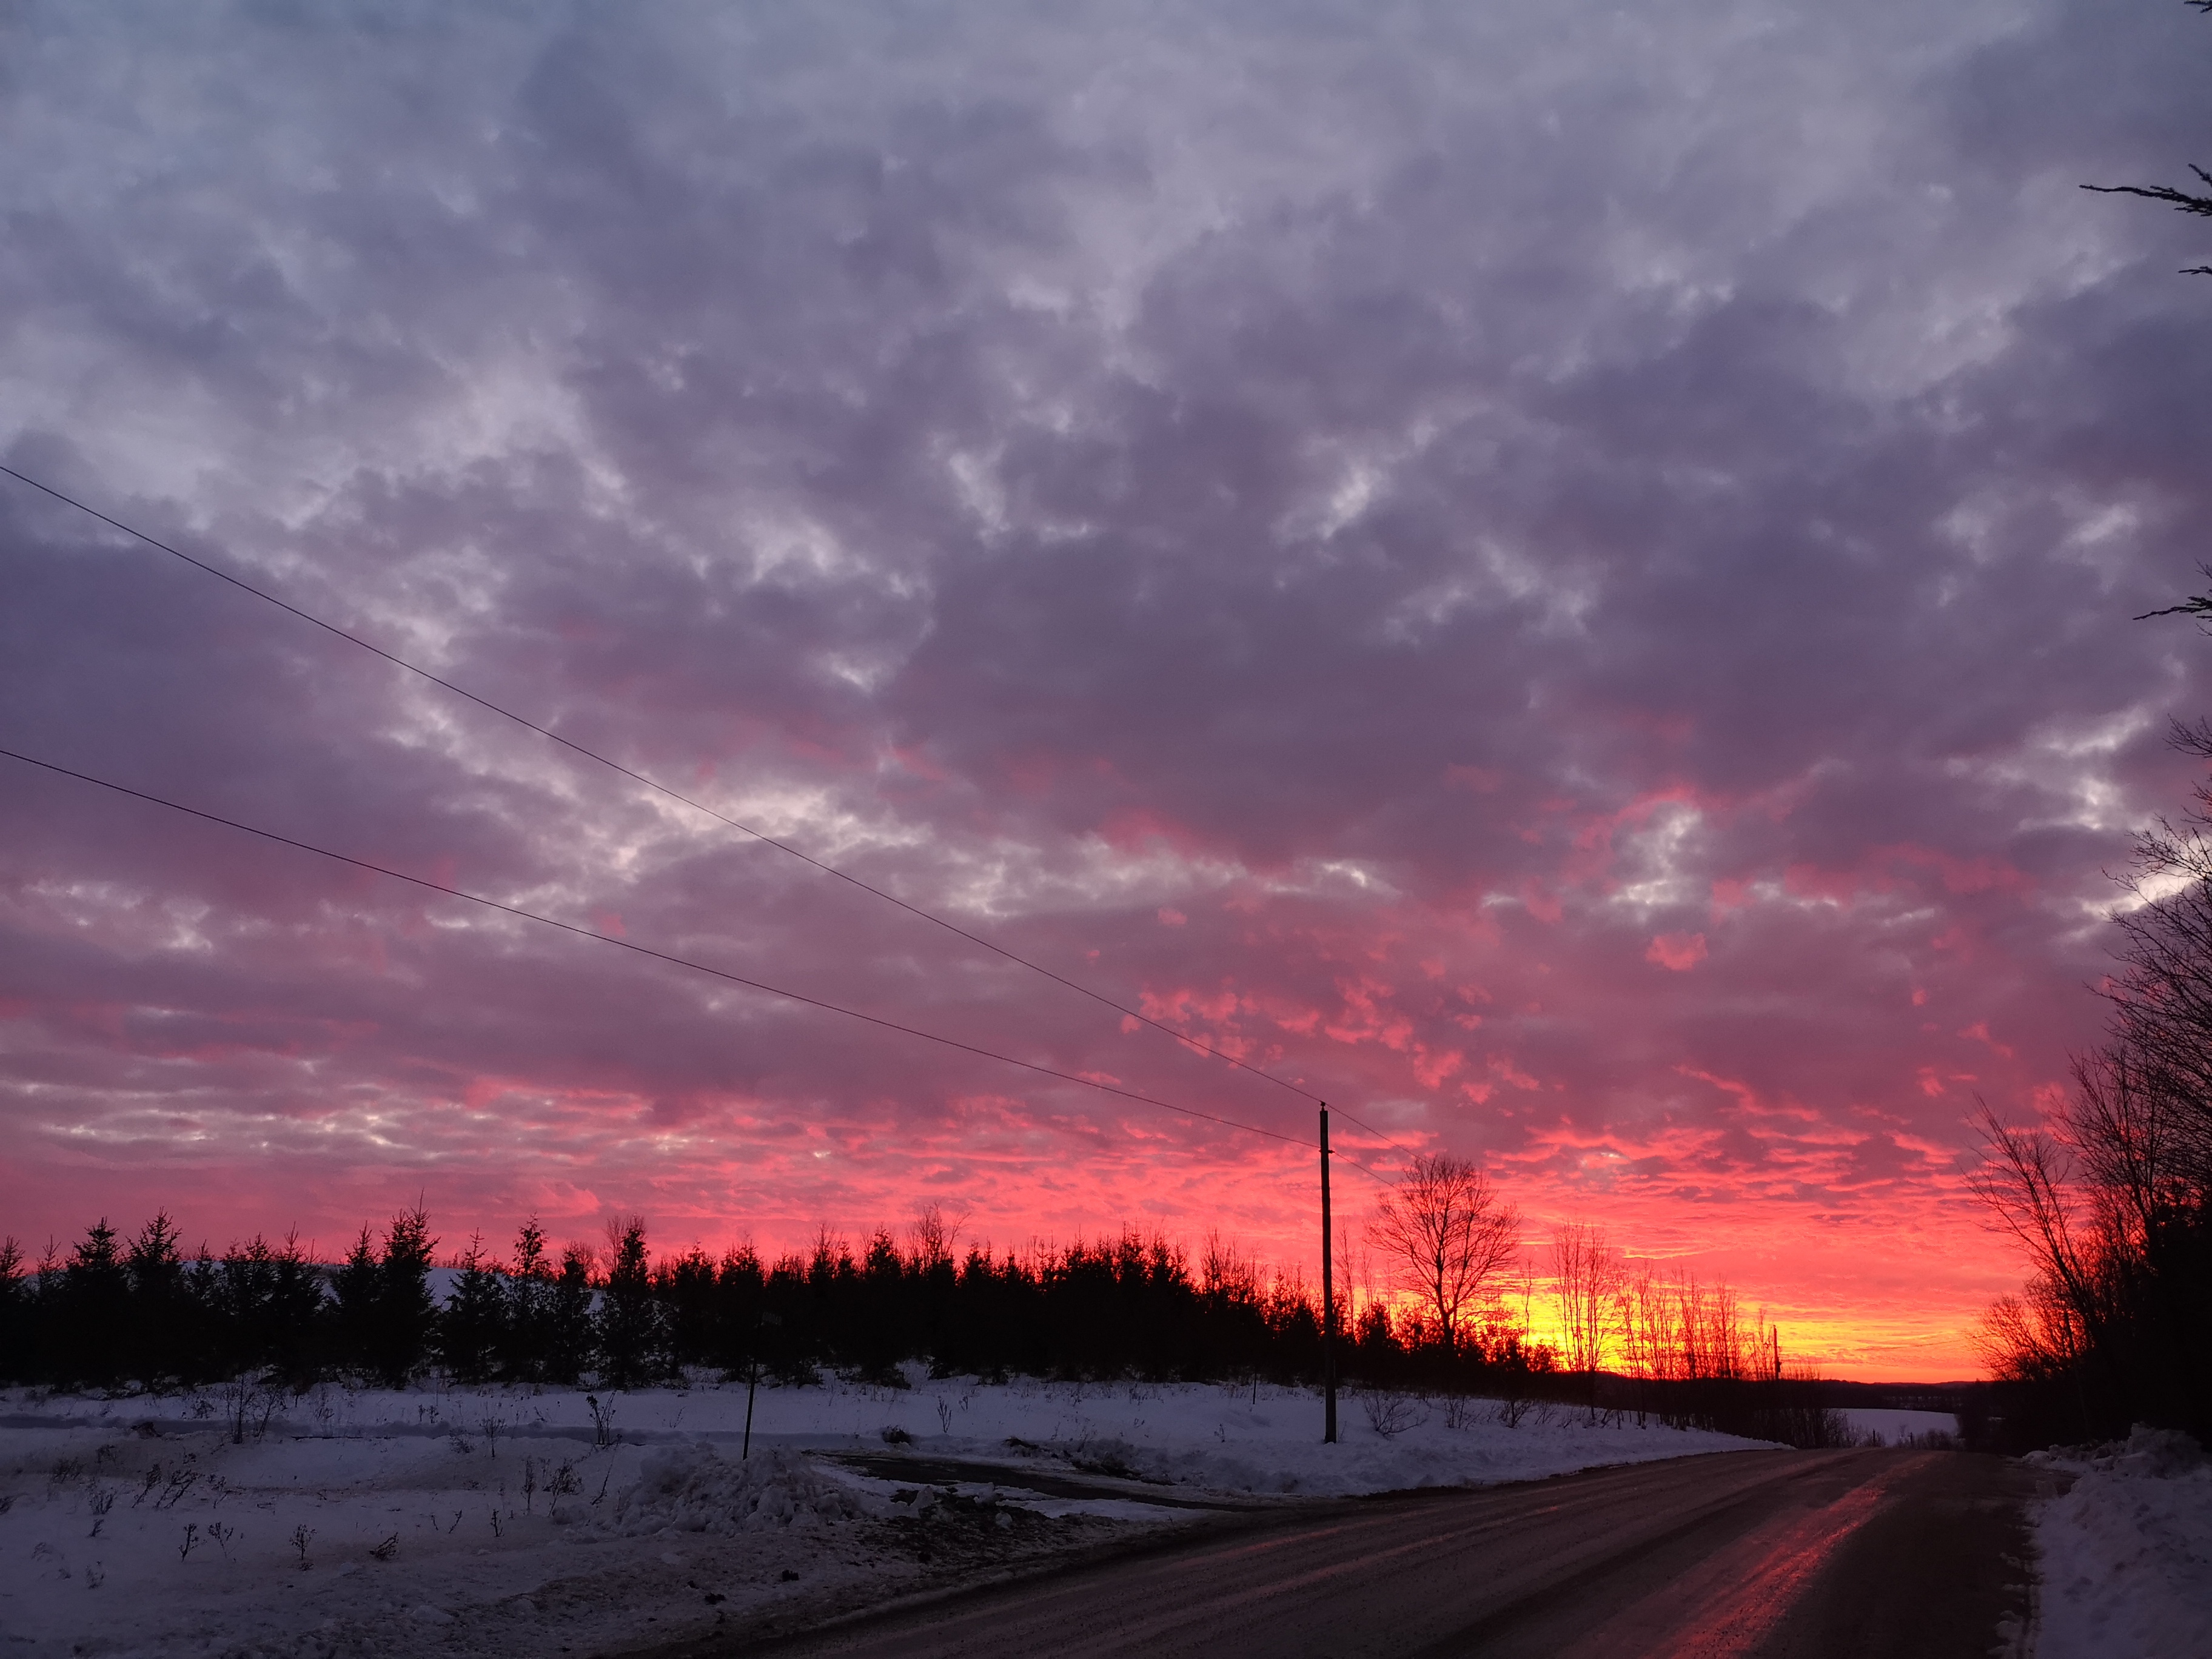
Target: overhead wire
<point x="648" y="951"/>
<point x="570" y="743"/>
<point x="1337" y="1156"/>
<point x="1338" y="1111"/>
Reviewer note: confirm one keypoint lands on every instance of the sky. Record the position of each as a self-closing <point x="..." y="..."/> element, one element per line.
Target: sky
<point x="1561" y="577"/>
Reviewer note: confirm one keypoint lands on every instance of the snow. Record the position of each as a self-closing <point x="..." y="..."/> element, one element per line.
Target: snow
<point x="2125" y="1556"/>
<point x="694" y="1490"/>
<point x="1897" y="1428"/>
<point x="500" y="1522"/>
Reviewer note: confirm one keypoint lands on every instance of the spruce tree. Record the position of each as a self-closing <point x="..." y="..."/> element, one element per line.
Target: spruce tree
<point x="92" y="1311"/>
<point x="633" y="1335"/>
<point x="692" y="1308"/>
<point x="570" y="1328"/>
<point x="470" y="1330"/>
<point x="18" y="1360"/>
<point x="526" y="1330"/>
<point x="405" y="1313"/>
<point x="879" y="1332"/>
<point x="299" y="1312"/>
<point x="357" y="1313"/>
<point x="271" y="1307"/>
<point x="739" y="1302"/>
<point x="164" y="1334"/>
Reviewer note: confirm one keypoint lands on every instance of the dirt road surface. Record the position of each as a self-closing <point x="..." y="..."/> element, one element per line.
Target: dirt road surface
<point x="1783" y="1555"/>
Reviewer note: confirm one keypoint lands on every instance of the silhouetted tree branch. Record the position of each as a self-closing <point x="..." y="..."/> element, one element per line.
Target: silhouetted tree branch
<point x="1447" y="1234"/>
<point x="2111" y="1200"/>
<point x="2182" y="201"/>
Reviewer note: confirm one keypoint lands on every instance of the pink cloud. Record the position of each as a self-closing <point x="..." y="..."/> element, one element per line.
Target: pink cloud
<point x="736" y="559"/>
<point x="1432" y="1069"/>
<point x="1980" y="1032"/>
<point x="1679" y="951"/>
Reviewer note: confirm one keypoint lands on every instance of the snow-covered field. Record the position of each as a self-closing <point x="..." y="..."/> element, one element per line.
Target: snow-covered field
<point x="507" y="1523"/>
<point x="2125" y="1557"/>
<point x="1897" y="1428"/>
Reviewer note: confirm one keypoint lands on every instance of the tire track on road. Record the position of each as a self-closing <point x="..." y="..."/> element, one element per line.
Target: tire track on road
<point x="1715" y="1556"/>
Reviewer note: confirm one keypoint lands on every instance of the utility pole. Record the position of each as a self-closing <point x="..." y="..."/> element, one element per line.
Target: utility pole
<point x="1327" y="1298"/>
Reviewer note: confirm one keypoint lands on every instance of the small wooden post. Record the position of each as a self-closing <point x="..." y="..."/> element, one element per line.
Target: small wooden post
<point x="752" y="1383"/>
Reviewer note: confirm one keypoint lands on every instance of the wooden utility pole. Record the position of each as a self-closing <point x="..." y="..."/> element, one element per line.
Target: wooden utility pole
<point x="1328" y="1299"/>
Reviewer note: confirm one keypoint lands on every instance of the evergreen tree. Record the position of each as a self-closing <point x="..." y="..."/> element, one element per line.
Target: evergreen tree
<point x="471" y="1332"/>
<point x="570" y="1327"/>
<point x="405" y="1313"/>
<point x="526" y="1336"/>
<point x="882" y="1334"/>
<point x="164" y="1334"/>
<point x="110" y="1313"/>
<point x="91" y="1312"/>
<point x="740" y="1300"/>
<point x="214" y="1346"/>
<point x="934" y="1277"/>
<point x="633" y="1335"/>
<point x="289" y="1336"/>
<point x="18" y="1357"/>
<point x="358" y="1286"/>
<point x="691" y="1303"/>
<point x="44" y="1284"/>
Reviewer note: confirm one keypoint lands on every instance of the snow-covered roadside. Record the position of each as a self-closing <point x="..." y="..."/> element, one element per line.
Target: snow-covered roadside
<point x="2125" y="1556"/>
<point x="504" y="1522"/>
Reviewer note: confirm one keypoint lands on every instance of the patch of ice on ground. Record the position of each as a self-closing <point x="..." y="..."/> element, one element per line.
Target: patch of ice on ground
<point x="2124" y="1559"/>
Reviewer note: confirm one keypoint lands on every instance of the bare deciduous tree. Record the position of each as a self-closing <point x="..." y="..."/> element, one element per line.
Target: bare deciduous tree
<point x="1647" y="1328"/>
<point x="2031" y="1338"/>
<point x="1446" y="1233"/>
<point x="2026" y="1185"/>
<point x="1587" y="1275"/>
<point x="931" y="1237"/>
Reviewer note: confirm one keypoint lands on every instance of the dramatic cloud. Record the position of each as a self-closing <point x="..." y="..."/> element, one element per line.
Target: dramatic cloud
<point x="1560" y="578"/>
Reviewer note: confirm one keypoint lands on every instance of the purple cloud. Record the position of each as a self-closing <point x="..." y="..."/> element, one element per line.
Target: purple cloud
<point x="1464" y="513"/>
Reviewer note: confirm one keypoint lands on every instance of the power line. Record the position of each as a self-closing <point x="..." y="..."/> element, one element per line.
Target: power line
<point x="647" y="950"/>
<point x="1336" y="1155"/>
<point x="672" y="794"/>
<point x="697" y="806"/>
<point x="1339" y="1112"/>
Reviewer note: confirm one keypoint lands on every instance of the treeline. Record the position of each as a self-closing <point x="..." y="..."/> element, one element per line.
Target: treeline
<point x="1636" y="1344"/>
<point x="116" y="1312"/>
<point x="2111" y="1195"/>
<point x="137" y="1312"/>
<point x="1691" y="1355"/>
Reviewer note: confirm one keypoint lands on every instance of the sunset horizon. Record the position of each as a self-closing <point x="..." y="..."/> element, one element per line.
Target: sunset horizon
<point x="1567" y="585"/>
<point x="944" y="829"/>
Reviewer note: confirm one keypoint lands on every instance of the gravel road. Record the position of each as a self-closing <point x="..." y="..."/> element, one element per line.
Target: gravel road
<point x="1785" y="1555"/>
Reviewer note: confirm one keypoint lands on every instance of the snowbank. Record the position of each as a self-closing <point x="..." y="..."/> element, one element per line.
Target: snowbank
<point x="2125" y="1556"/>
<point x="497" y="1523"/>
<point x="697" y="1492"/>
<point x="1258" y="1441"/>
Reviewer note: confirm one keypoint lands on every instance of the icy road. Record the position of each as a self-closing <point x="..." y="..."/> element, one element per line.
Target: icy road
<point x="1777" y="1554"/>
